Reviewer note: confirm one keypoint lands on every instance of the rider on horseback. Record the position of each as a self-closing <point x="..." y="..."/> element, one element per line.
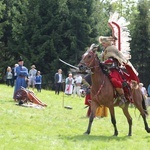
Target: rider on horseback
<point x="113" y="59"/>
<point x="117" y="54"/>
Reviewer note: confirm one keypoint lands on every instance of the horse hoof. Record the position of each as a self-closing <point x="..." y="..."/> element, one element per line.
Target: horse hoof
<point x="129" y="134"/>
<point x="115" y="135"/>
<point x="86" y="133"/>
<point x="148" y="130"/>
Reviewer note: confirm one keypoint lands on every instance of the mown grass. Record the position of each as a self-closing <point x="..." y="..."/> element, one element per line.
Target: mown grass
<point x="57" y="128"/>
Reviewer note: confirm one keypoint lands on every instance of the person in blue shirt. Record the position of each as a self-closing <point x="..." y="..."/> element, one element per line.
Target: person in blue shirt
<point x="38" y="81"/>
<point x="148" y="90"/>
<point x="22" y="74"/>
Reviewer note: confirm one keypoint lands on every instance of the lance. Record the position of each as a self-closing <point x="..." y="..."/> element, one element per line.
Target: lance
<point x="68" y="64"/>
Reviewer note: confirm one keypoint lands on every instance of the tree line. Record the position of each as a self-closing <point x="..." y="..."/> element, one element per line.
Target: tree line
<point x="44" y="31"/>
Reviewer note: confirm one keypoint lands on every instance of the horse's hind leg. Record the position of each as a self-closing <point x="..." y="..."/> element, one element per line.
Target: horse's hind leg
<point x="129" y="118"/>
<point x="139" y="102"/>
<point x="145" y="123"/>
<point x="143" y="111"/>
<point x="113" y="120"/>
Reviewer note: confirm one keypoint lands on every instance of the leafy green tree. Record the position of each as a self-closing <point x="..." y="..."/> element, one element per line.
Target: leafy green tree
<point x="47" y="30"/>
<point x="5" y="34"/>
<point x="44" y="31"/>
<point x="140" y="44"/>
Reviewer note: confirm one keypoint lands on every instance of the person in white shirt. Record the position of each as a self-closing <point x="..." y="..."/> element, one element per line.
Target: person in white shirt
<point x="69" y="85"/>
<point x="77" y="85"/>
<point x="143" y="89"/>
<point x="32" y="76"/>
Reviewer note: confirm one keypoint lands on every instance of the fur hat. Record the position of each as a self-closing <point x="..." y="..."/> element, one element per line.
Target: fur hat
<point x="20" y="59"/>
<point x="106" y="39"/>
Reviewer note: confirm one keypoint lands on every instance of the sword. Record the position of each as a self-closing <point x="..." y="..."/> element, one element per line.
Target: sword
<point x="68" y="64"/>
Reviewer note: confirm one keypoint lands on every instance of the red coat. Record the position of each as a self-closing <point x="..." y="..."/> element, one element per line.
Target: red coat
<point x="87" y="99"/>
<point x="116" y="77"/>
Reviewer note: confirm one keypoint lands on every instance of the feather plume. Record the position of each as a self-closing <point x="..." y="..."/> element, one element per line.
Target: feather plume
<point x="121" y="33"/>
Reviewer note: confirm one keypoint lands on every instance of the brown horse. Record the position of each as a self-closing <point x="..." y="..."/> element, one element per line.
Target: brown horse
<point x="102" y="93"/>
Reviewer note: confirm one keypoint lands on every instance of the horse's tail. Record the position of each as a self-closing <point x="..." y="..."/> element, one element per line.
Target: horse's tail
<point x="144" y="105"/>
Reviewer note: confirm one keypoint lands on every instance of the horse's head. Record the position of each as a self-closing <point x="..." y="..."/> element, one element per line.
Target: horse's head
<point x="88" y="58"/>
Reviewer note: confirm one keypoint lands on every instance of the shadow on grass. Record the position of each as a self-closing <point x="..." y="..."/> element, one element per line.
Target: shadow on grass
<point x="95" y="138"/>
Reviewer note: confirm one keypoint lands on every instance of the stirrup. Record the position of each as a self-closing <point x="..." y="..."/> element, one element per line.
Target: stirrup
<point x="122" y="102"/>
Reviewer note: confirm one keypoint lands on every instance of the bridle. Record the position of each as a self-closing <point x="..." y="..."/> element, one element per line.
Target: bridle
<point x="88" y="64"/>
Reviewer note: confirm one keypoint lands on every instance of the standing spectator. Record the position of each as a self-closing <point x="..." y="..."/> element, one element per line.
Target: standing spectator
<point x="58" y="81"/>
<point x="22" y="73"/>
<point x="143" y="89"/>
<point x="38" y="81"/>
<point x="148" y="90"/>
<point x="77" y="85"/>
<point x="87" y="83"/>
<point x="69" y="85"/>
<point x="9" y="77"/>
<point x="32" y="76"/>
<point x="14" y="73"/>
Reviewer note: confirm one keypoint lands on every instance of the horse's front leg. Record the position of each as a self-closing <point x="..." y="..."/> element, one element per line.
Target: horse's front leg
<point x="113" y="120"/>
<point x="91" y="118"/>
<point x="94" y="107"/>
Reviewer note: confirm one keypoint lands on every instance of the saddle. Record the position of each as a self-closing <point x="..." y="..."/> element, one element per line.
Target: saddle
<point x="125" y="85"/>
<point x="24" y="96"/>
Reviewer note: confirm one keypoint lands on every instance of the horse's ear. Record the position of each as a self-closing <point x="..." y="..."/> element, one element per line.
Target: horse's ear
<point x="94" y="47"/>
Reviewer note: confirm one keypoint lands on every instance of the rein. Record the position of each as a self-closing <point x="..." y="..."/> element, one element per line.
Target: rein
<point x="100" y="88"/>
<point x="104" y="76"/>
<point x="88" y="64"/>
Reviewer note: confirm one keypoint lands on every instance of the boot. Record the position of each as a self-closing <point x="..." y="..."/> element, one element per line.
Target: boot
<point x="123" y="99"/>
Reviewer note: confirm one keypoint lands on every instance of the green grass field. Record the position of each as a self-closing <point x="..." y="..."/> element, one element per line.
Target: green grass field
<point x="57" y="128"/>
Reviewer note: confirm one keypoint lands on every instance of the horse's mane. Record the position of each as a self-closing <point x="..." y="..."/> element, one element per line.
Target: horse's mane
<point x="101" y="65"/>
